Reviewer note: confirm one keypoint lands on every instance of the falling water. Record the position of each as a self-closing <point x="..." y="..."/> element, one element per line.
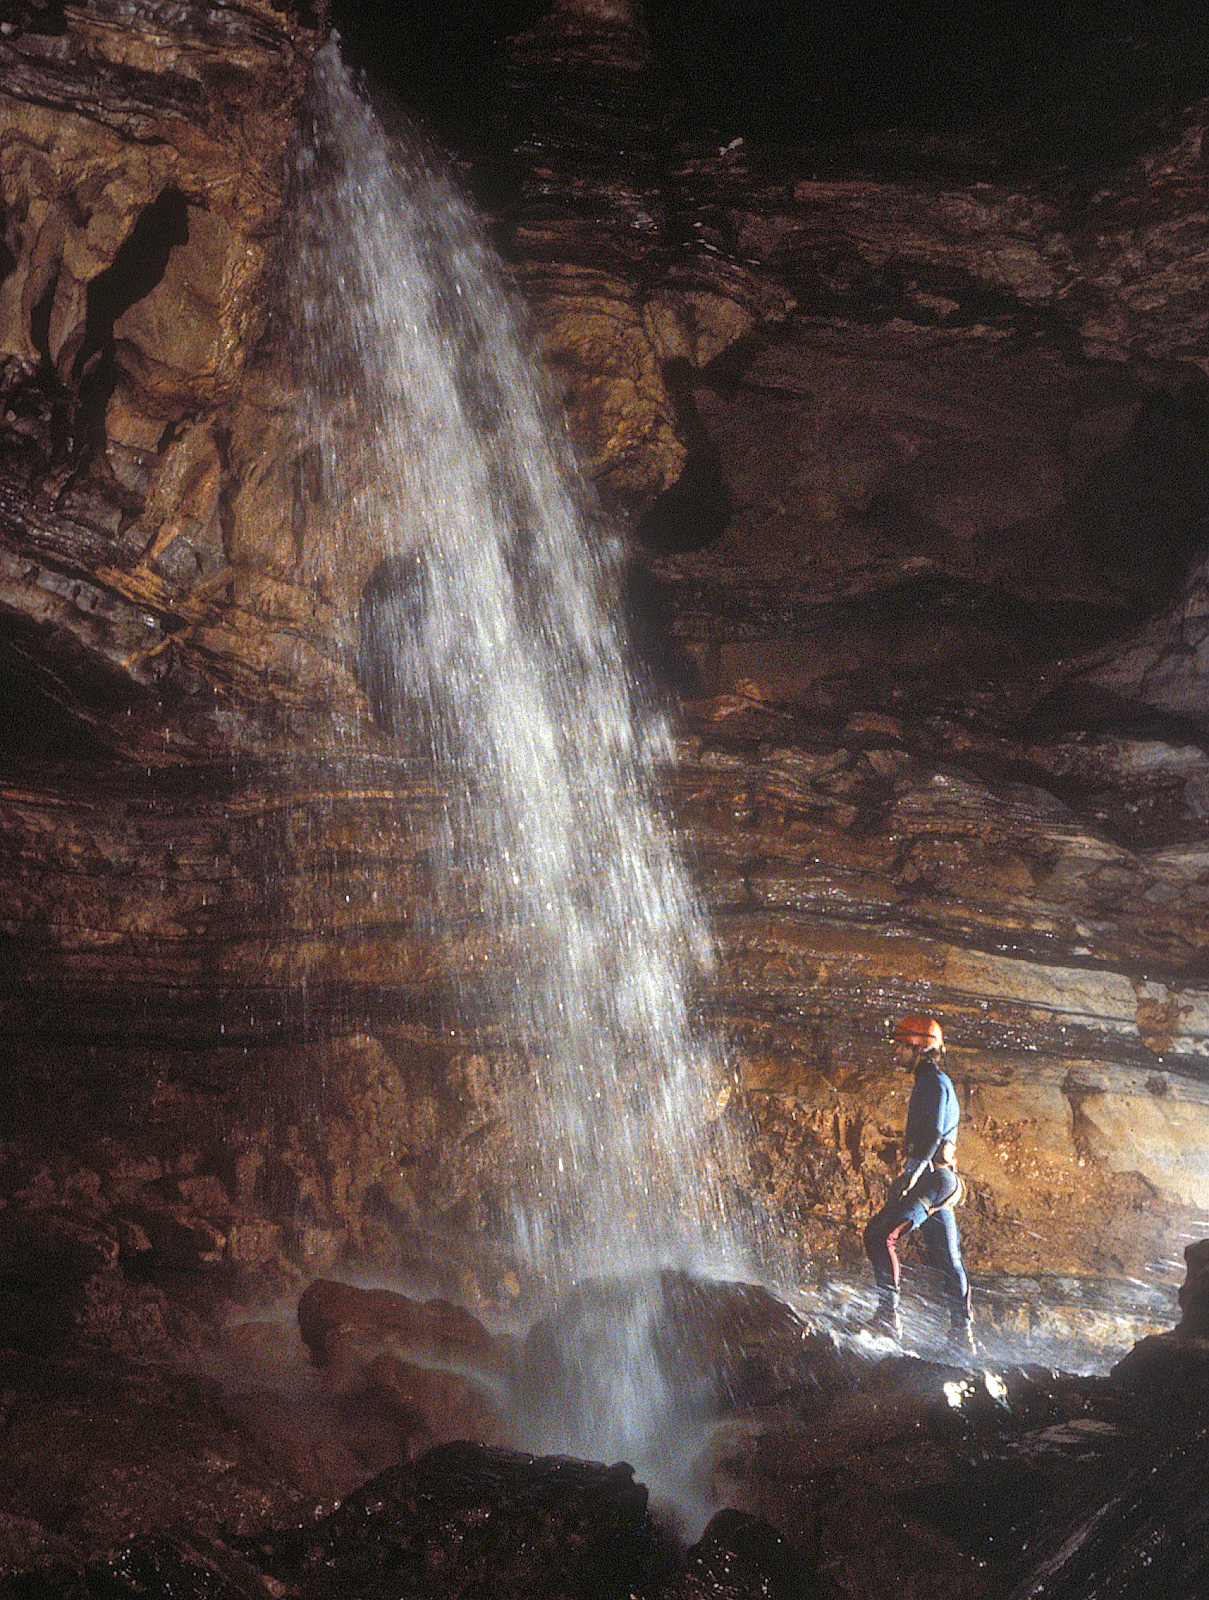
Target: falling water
<point x="436" y="447"/>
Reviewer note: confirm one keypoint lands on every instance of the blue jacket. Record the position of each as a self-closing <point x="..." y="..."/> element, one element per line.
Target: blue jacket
<point x="932" y="1115"/>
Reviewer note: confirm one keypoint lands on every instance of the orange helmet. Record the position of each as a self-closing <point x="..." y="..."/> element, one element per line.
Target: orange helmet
<point x="922" y="1032"/>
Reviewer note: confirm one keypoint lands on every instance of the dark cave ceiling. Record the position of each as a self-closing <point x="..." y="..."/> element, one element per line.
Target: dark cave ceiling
<point x="784" y="73"/>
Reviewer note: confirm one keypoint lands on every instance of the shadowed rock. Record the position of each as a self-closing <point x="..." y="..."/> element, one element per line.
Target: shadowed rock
<point x="335" y="1318"/>
<point x="1173" y="1368"/>
<point x="467" y="1519"/>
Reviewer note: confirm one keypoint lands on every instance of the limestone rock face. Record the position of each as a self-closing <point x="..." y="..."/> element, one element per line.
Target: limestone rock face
<point x="886" y="450"/>
<point x="142" y="175"/>
<point x="824" y="913"/>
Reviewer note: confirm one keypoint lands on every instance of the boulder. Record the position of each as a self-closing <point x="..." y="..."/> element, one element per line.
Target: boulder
<point x="467" y="1518"/>
<point x="434" y="1405"/>
<point x="742" y="1556"/>
<point x="1172" y="1368"/>
<point x="1194" y="1292"/>
<point x="698" y="1346"/>
<point x="338" y="1321"/>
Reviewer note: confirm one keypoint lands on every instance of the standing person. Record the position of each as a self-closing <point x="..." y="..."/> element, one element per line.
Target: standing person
<point x="928" y="1187"/>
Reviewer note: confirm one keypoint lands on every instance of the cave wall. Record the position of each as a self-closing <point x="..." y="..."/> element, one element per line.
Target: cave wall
<point x="912" y="471"/>
<point x="149" y="441"/>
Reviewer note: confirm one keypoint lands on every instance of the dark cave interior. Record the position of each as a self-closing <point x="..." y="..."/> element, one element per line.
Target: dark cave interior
<point x="834" y="73"/>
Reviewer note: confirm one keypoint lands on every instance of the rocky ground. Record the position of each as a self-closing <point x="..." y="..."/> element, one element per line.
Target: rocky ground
<point x="307" y="1456"/>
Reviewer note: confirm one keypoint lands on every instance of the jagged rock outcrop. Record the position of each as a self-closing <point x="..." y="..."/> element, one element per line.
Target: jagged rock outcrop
<point x="142" y="181"/>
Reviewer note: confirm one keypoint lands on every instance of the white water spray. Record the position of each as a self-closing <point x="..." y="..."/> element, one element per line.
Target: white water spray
<point x="439" y="456"/>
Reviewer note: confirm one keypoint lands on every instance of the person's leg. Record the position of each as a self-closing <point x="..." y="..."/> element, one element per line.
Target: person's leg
<point x="943" y="1244"/>
<point x="883" y="1235"/>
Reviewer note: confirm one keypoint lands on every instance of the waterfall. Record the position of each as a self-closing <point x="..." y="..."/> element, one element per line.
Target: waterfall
<point x="435" y="445"/>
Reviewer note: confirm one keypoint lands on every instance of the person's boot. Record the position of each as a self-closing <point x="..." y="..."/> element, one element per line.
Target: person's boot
<point x="885" y="1320"/>
<point x="961" y="1341"/>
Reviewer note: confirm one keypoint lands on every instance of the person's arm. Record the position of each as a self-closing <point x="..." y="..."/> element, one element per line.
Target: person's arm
<point x="923" y="1135"/>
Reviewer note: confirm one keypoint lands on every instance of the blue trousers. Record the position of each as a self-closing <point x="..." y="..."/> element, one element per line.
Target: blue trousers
<point x="904" y="1214"/>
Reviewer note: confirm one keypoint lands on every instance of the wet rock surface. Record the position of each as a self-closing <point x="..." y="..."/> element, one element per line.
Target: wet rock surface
<point x="843" y="1470"/>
